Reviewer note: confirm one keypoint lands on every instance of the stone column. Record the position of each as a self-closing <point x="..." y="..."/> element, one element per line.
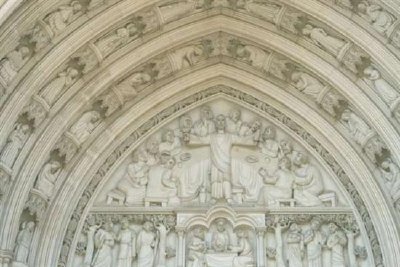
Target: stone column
<point x="5" y="258"/>
<point x="260" y="247"/>
<point x="350" y="249"/>
<point x="181" y="247"/>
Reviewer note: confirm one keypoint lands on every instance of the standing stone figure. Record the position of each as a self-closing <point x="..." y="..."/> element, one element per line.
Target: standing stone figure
<point x="328" y="43"/>
<point x="14" y="144"/>
<point x="145" y="243"/>
<point x="205" y="125"/>
<point x="269" y="146"/>
<point x="336" y="241"/>
<point x="221" y="144"/>
<point x="23" y="243"/>
<point x="127" y="247"/>
<point x="234" y="123"/>
<point x="63" y="81"/>
<point x="294" y="241"/>
<point x="104" y="242"/>
<point x="314" y="241"/>
<point x="391" y="175"/>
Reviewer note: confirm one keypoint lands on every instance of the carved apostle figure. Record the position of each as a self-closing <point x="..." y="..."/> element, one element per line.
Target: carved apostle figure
<point x="186" y="56"/>
<point x="205" y="125"/>
<point x="47" y="177"/>
<point x="234" y="123"/>
<point x="104" y="241"/>
<point x="391" y="175"/>
<point x="379" y="18"/>
<point x="268" y="145"/>
<point x="307" y="84"/>
<point x="382" y="87"/>
<point x="110" y="43"/>
<point x="162" y="181"/>
<point x="285" y="148"/>
<point x="133" y="185"/>
<point x="221" y="144"/>
<point x="314" y="241"/>
<point x="255" y="56"/>
<point x="23" y="243"/>
<point x="265" y="10"/>
<point x="170" y="142"/>
<point x="13" y="62"/>
<point x="174" y="11"/>
<point x="308" y="183"/>
<point x="358" y="129"/>
<point x="244" y="249"/>
<point x="153" y="151"/>
<point x="14" y="144"/>
<point x="328" y="43"/>
<point x="220" y="237"/>
<point x="145" y="243"/>
<point x="59" y="19"/>
<point x="294" y="242"/>
<point x="63" y="81"/>
<point x="197" y="248"/>
<point x="336" y="241"/>
<point x="127" y="247"/>
<point x="279" y="185"/>
<point x="85" y="125"/>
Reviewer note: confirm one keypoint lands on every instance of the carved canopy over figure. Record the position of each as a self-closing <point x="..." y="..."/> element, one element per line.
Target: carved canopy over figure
<point x="330" y="44"/>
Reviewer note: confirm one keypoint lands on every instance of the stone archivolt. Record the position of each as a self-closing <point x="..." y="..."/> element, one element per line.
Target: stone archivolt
<point x="79" y="135"/>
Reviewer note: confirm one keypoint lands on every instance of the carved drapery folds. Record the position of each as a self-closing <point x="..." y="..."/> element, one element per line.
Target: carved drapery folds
<point x="139" y="171"/>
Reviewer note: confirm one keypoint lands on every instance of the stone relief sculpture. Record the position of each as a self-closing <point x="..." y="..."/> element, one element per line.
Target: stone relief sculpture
<point x="181" y="127"/>
<point x="244" y="249"/>
<point x="15" y="143"/>
<point x="321" y="38"/>
<point x="336" y="242"/>
<point x="47" y="177"/>
<point x="82" y="129"/>
<point x="309" y="240"/>
<point x="197" y="248"/>
<point x="63" y="81"/>
<point x="23" y="243"/>
<point x="12" y="63"/>
<point x="200" y="163"/>
<point x="379" y="18"/>
<point x="127" y="240"/>
<point x="390" y="175"/>
<point x="358" y="129"/>
<point x="59" y="19"/>
<point x="384" y="89"/>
